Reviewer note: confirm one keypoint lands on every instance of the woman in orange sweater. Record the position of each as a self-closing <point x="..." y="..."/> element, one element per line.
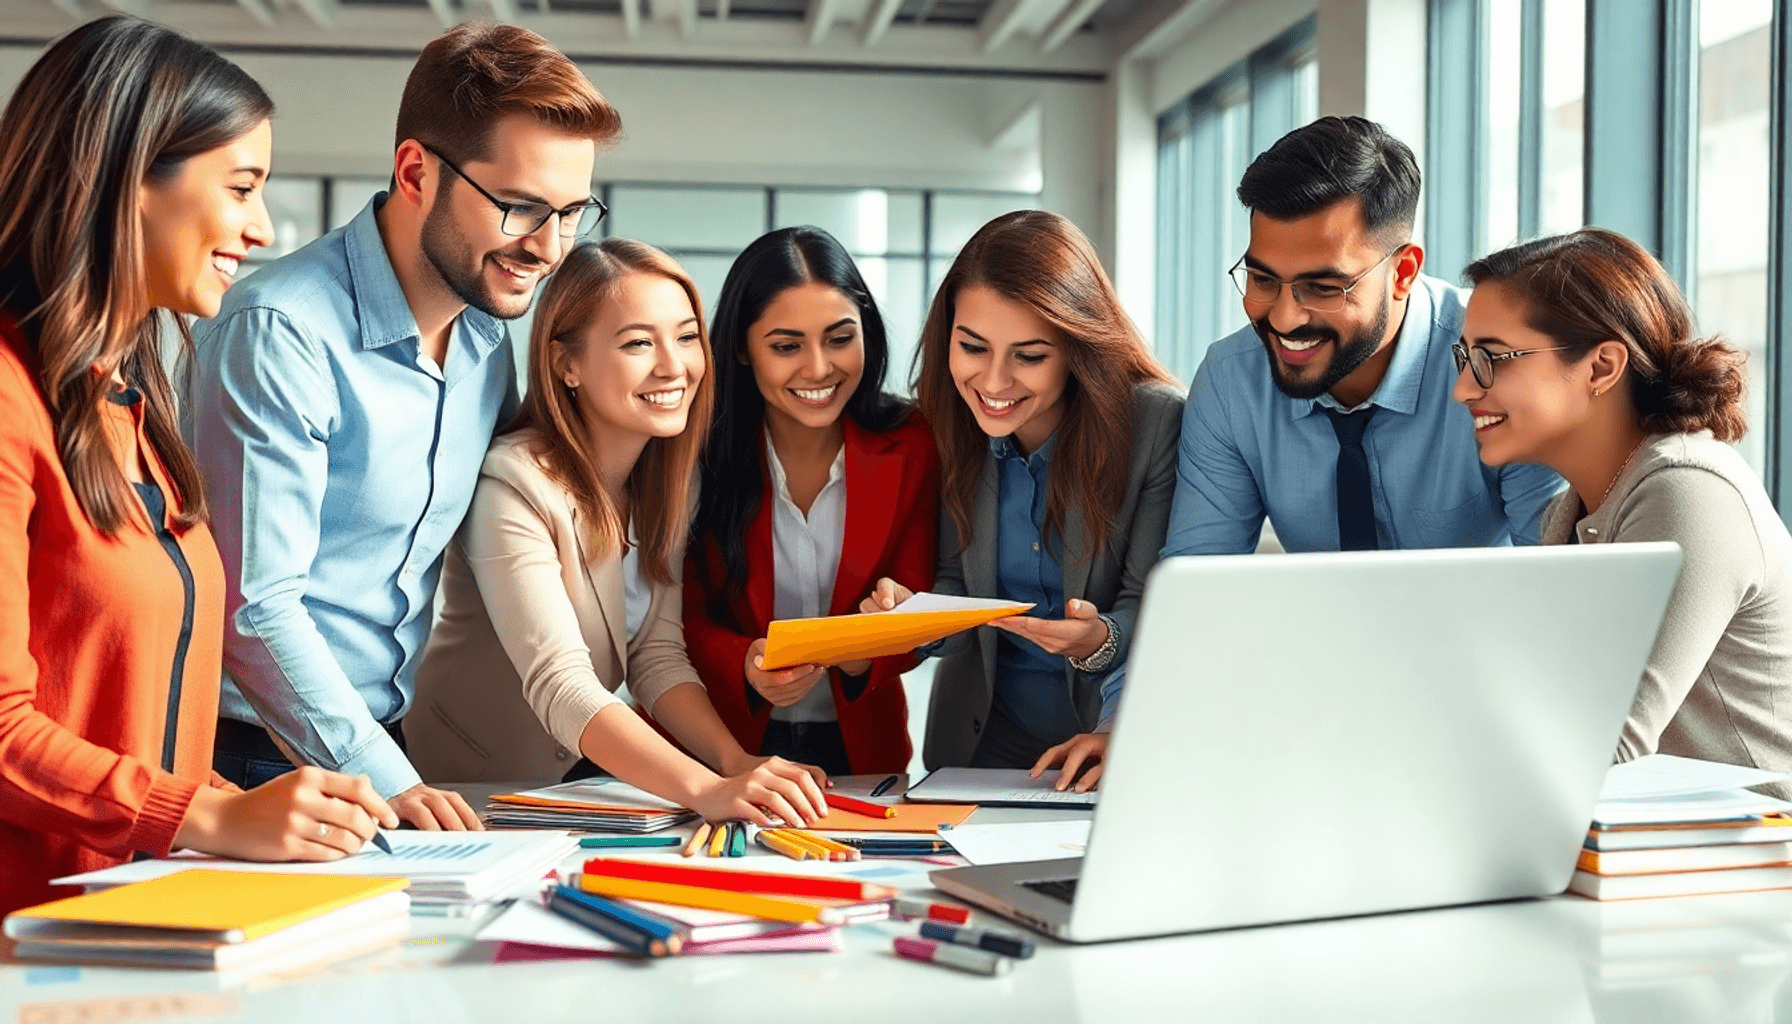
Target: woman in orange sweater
<point x="131" y="165"/>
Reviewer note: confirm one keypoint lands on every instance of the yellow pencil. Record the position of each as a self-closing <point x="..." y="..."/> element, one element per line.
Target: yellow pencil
<point x="844" y="851"/>
<point x="718" y="840"/>
<point x="769" y="907"/>
<point x="782" y="845"/>
<point x="696" y="841"/>
<point x="813" y="848"/>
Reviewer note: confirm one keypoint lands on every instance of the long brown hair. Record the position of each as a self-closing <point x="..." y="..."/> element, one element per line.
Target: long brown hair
<point x="659" y="486"/>
<point x="1042" y="261"/>
<point x="1594" y="285"/>
<point x="113" y="105"/>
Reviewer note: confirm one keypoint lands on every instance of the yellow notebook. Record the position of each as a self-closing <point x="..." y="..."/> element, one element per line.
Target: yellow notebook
<point x="921" y="619"/>
<point x="226" y="906"/>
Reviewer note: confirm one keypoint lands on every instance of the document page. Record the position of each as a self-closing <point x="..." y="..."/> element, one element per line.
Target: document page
<point x="997" y="787"/>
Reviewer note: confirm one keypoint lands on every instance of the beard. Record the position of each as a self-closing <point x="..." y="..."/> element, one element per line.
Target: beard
<point x="1347" y="356"/>
<point x="452" y="257"/>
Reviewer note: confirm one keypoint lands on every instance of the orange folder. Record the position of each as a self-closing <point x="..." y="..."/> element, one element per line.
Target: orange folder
<point x="909" y="818"/>
<point x="922" y="619"/>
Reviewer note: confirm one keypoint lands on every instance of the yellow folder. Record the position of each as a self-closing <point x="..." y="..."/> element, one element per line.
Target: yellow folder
<point x="922" y="619"/>
<point x="228" y="906"/>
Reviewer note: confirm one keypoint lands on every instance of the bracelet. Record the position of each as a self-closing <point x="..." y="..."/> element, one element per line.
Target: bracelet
<point x="1103" y="654"/>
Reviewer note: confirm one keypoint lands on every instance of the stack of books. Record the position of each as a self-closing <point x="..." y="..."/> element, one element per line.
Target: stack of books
<point x="452" y="874"/>
<point x="589" y="805"/>
<point x="653" y="909"/>
<point x="1690" y="828"/>
<point x="229" y="921"/>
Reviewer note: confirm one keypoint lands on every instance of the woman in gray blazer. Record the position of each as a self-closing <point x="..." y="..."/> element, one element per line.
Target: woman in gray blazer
<point x="1057" y="433"/>
<point x="564" y="581"/>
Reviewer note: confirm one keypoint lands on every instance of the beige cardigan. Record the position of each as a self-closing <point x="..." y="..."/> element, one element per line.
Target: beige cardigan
<point x="532" y="641"/>
<point x="1718" y="685"/>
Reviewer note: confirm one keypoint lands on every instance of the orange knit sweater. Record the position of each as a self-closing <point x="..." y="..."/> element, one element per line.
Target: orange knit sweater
<point x="105" y="645"/>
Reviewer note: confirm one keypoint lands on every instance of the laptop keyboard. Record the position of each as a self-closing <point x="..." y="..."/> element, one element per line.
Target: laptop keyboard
<point x="1057" y="888"/>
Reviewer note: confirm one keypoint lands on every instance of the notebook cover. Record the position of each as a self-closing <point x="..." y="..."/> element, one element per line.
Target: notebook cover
<point x="236" y="906"/>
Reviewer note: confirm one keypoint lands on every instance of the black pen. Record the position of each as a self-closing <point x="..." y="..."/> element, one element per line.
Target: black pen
<point x="885" y="786"/>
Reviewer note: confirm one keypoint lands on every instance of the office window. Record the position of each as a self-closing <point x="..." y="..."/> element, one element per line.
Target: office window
<point x="1731" y="214"/>
<point x="1499" y="214"/>
<point x="1204" y="145"/>
<point x="1564" y="112"/>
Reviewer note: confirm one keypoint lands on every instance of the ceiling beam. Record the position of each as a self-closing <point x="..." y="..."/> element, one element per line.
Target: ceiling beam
<point x="821" y="18"/>
<point x="1074" y="17"/>
<point x="445" y="13"/>
<point x="1000" y="22"/>
<point x="321" y="12"/>
<point x="260" y="10"/>
<point x="883" y="12"/>
<point x="631" y="19"/>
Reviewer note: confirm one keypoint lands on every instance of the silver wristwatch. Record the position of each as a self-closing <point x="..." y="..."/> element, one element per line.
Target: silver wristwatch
<point x="1103" y="654"/>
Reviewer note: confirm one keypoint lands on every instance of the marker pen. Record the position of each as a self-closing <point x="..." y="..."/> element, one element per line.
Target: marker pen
<point x="975" y="961"/>
<point x="978" y="938"/>
<point x="909" y="908"/>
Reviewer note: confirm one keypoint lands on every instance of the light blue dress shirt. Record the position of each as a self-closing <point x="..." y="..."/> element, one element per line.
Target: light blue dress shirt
<point x="1248" y="450"/>
<point x="339" y="461"/>
<point x="1029" y="687"/>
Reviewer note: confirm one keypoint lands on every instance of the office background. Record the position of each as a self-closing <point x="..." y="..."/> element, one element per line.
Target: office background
<point x="902" y="125"/>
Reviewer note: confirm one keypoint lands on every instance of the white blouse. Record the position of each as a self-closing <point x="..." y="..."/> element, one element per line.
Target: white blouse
<point x="805" y="560"/>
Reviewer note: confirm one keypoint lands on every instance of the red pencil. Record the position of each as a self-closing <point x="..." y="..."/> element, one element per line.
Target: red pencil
<point x="857" y="806"/>
<point x="765" y="882"/>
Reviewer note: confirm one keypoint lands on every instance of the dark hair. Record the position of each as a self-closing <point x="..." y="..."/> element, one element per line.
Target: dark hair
<point x="1329" y="161"/>
<point x="113" y="105"/>
<point x="733" y="468"/>
<point x="1042" y="261"/>
<point x="1593" y="285"/>
<point x="473" y="75"/>
<point x="660" y="484"/>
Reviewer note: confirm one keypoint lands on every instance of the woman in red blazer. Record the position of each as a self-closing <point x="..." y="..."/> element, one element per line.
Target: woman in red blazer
<point x="815" y="483"/>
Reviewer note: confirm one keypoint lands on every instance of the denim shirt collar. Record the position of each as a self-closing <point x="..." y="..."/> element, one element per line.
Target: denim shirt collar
<point x="1400" y="387"/>
<point x="1004" y="448"/>
<point x="383" y="313"/>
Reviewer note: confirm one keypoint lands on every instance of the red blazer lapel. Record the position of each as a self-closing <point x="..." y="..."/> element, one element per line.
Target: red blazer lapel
<point x="761" y="599"/>
<point x="874" y="469"/>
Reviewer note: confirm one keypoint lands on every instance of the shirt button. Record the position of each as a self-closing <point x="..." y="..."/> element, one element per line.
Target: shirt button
<point x="1592" y="531"/>
<point x="1035" y="545"/>
<point x="560" y="753"/>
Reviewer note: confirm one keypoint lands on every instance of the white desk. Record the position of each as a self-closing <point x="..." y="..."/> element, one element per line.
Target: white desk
<point x="1722" y="959"/>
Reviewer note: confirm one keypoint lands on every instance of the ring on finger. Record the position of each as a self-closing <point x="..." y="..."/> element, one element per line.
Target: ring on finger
<point x="323" y="830"/>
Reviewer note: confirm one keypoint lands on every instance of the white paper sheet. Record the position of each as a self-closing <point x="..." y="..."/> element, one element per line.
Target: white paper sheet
<point x="1659" y="775"/>
<point x="1010" y="844"/>
<point x="997" y="786"/>
<point x="925" y="602"/>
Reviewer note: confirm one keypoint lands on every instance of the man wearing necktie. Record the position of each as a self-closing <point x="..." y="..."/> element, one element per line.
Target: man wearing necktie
<point x="1330" y="414"/>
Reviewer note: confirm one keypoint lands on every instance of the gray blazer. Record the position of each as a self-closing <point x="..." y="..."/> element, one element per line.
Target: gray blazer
<point x="1114" y="581"/>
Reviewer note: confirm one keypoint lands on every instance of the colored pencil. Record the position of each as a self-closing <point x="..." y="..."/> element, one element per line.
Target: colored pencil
<point x="778" y="844"/>
<point x="813" y="848"/>
<point x="697" y="839"/>
<point x="614" y="922"/>
<point x="857" y="806"/>
<point x="753" y="905"/>
<point x="836" y="851"/>
<point x="602" y="842"/>
<point x="771" y="883"/>
<point x="718" y="839"/>
<point x="737" y="839"/>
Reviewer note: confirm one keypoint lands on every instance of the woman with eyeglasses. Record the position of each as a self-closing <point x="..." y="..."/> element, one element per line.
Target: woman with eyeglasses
<point x="1057" y="433"/>
<point x="564" y="581"/>
<point x="1578" y="352"/>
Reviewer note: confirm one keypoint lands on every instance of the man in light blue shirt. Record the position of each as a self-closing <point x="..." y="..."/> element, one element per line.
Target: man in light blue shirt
<point x="1342" y="322"/>
<point x="342" y="401"/>
<point x="1331" y="413"/>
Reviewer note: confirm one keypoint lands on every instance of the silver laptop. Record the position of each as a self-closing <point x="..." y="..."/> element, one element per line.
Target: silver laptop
<point x="1313" y="736"/>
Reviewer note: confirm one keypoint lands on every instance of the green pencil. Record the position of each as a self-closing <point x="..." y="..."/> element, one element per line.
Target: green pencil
<point x="737" y="843"/>
<point x="601" y="842"/>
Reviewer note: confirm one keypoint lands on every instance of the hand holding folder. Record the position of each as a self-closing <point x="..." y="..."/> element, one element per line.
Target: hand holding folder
<point x="921" y="619"/>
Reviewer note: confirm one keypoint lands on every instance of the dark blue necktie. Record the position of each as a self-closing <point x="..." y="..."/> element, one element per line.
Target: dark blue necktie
<point x="1356" y="504"/>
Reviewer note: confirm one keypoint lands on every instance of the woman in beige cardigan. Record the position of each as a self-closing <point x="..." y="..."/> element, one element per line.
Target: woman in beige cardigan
<point x="562" y="582"/>
<point x="1632" y="410"/>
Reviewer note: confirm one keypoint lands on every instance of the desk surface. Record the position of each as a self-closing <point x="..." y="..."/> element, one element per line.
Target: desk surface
<point x="1721" y="959"/>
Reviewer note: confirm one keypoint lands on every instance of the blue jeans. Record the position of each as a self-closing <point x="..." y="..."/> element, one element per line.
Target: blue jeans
<point x="248" y="772"/>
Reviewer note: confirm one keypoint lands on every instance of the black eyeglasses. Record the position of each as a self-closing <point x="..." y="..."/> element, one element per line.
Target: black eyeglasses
<point x="1262" y="289"/>
<point x="1480" y="361"/>
<point x="523" y="219"/>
